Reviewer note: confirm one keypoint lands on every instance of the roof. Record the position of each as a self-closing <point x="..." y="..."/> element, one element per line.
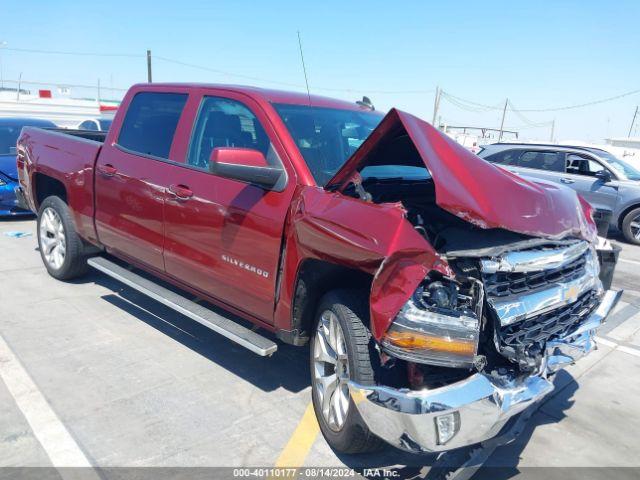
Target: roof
<point x="271" y="96"/>
<point x="555" y="146"/>
<point x="26" y="121"/>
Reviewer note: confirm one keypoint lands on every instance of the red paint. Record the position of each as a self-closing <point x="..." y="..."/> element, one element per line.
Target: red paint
<point x="475" y="190"/>
<point x="226" y="241"/>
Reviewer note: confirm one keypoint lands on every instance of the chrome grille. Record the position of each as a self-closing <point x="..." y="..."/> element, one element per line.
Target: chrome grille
<point x="501" y="284"/>
<point x="536" y="331"/>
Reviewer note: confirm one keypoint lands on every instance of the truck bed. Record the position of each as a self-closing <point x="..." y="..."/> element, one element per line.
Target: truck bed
<point x="65" y="156"/>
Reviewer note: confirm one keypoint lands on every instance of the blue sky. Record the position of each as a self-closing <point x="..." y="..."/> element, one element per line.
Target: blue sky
<point x="538" y="54"/>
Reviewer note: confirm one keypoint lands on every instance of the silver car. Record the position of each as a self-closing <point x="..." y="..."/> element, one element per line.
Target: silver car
<point x="609" y="184"/>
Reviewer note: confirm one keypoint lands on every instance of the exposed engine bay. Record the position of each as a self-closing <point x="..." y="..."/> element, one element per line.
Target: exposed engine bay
<point x="554" y="297"/>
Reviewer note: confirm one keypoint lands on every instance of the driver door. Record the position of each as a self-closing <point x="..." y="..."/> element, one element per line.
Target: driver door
<point x="580" y="175"/>
<point x="223" y="236"/>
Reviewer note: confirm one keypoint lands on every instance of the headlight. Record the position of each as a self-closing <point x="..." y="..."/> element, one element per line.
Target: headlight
<point x="439" y="325"/>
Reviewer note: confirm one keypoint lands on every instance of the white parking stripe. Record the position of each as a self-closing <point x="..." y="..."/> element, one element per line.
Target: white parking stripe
<point x="635" y="262"/>
<point x="61" y="448"/>
<point x="615" y="346"/>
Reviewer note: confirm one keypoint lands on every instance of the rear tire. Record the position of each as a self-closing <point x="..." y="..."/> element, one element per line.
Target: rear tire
<point x="343" y="312"/>
<point x="631" y="226"/>
<point x="61" y="248"/>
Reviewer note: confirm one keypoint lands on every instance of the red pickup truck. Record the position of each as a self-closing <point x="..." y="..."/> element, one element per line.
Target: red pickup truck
<point x="439" y="293"/>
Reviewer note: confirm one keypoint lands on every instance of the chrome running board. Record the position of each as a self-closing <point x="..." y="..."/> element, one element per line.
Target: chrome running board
<point x="224" y="326"/>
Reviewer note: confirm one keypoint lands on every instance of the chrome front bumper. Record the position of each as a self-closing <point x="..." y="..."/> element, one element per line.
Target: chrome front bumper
<point x="407" y="419"/>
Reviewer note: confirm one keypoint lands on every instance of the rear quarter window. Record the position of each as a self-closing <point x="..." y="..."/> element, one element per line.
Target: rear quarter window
<point x="150" y="123"/>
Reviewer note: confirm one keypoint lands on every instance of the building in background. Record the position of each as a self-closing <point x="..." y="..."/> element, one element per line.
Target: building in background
<point x="59" y="107"/>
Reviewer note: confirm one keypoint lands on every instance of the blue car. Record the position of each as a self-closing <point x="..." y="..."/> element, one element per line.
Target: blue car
<point x="9" y="131"/>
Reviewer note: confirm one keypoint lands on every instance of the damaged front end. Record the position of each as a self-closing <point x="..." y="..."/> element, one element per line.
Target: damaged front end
<point x="517" y="294"/>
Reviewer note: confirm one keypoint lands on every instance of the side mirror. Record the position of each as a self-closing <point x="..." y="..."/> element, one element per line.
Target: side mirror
<point x="604" y="175"/>
<point x="246" y="165"/>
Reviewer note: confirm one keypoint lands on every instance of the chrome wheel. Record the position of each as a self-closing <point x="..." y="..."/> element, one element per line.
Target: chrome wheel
<point x="635" y="227"/>
<point x="331" y="371"/>
<point x="53" y="242"/>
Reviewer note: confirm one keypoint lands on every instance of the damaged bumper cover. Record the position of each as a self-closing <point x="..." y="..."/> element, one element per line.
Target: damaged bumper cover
<point x="476" y="408"/>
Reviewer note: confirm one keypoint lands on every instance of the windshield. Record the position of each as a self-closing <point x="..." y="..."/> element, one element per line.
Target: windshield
<point x="621" y="168"/>
<point x="327" y="137"/>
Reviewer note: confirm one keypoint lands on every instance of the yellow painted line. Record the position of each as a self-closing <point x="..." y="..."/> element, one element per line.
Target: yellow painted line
<point x="301" y="441"/>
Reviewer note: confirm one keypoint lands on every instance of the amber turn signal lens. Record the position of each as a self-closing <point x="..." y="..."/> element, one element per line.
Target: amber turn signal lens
<point x="419" y="341"/>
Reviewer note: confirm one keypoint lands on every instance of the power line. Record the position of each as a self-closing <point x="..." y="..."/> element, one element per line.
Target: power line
<point x="213" y="70"/>
<point x="82" y="54"/>
<point x="64" y="84"/>
<point x="481" y="106"/>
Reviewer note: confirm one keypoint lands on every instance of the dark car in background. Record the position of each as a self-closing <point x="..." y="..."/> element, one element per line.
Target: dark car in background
<point x="98" y="124"/>
<point x="609" y="184"/>
<point x="9" y="132"/>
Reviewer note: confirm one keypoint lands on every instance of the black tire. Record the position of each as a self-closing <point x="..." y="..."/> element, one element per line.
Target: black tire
<point x="75" y="263"/>
<point x="626" y="226"/>
<point x="352" y="312"/>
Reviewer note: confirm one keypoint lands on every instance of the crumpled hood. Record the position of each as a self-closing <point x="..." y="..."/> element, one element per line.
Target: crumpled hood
<point x="8" y="165"/>
<point x="471" y="188"/>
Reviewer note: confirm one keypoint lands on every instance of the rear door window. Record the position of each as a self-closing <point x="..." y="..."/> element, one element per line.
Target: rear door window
<point x="541" y="160"/>
<point x="507" y="157"/>
<point x="151" y="122"/>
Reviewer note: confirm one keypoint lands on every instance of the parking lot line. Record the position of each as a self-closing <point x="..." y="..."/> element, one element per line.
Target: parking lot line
<point x="616" y="346"/>
<point x="56" y="440"/>
<point x="301" y="441"/>
<point x="635" y="262"/>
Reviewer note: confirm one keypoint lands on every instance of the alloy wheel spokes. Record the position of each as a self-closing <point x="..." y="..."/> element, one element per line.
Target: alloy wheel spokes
<point x="52" y="238"/>
<point x="331" y="371"/>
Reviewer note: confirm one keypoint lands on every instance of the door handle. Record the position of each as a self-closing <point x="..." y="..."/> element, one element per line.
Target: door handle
<point x="181" y="192"/>
<point x="107" y="170"/>
<point x="567" y="181"/>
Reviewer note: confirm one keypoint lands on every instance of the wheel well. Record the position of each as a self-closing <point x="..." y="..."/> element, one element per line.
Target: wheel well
<point x="47" y="186"/>
<point x="315" y="278"/>
<point x="624" y="214"/>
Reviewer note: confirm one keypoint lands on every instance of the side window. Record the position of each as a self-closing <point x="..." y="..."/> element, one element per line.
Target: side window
<point x="550" y="161"/>
<point x="151" y="122"/>
<point x="223" y="122"/>
<point x="582" y="165"/>
<point x="507" y="157"/>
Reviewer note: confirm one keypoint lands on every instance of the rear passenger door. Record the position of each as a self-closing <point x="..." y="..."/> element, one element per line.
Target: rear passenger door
<point x="223" y="237"/>
<point x="130" y="176"/>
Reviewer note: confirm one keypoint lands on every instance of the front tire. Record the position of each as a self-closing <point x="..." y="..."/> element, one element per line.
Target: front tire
<point x="631" y="226"/>
<point x="340" y="352"/>
<point x="61" y="248"/>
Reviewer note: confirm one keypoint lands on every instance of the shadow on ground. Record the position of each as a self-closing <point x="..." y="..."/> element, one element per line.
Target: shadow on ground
<point x="288" y="368"/>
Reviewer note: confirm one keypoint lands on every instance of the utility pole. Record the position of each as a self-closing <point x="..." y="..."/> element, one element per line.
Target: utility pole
<point x="553" y="127"/>
<point x="504" y="114"/>
<point x="436" y="106"/>
<point x="632" y="122"/>
<point x="149" y="66"/>
<point x="19" y="87"/>
<point x="98" y="99"/>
